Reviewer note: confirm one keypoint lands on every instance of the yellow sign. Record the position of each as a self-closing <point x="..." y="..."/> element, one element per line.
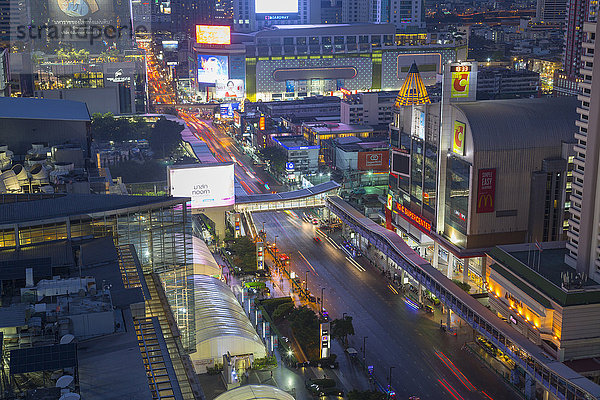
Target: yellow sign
<point x="458" y="138"/>
<point x="460" y="84"/>
<point x="389" y="202"/>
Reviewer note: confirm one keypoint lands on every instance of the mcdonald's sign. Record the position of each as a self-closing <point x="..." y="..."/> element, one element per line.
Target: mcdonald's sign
<point x="486" y="190"/>
<point x="458" y="138"/>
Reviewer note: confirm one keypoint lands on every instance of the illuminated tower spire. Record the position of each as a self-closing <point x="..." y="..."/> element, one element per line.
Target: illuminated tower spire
<point x="413" y="90"/>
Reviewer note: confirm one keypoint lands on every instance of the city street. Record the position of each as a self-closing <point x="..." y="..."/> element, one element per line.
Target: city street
<point x="223" y="146"/>
<point x="425" y="361"/>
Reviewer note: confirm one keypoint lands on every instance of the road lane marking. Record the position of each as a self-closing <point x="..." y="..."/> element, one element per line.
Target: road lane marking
<point x="309" y="264"/>
<point x="392" y="289"/>
<point x="355" y="264"/>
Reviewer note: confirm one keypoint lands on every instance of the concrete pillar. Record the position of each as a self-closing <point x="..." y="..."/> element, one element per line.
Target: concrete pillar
<point x="435" y="258"/>
<point x="465" y="270"/>
<point x="529" y="389"/>
<point x="449" y="270"/>
<point x="420" y="293"/>
<point x="514" y="377"/>
<point x="448" y="318"/>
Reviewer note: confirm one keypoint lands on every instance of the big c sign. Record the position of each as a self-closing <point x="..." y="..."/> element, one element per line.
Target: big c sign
<point x="458" y="138"/>
<point x="460" y="81"/>
<point x="377" y="160"/>
<point x="486" y="190"/>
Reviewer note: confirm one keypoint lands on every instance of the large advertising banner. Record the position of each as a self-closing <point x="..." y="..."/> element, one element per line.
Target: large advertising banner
<point x="460" y="81"/>
<point x="212" y="68"/>
<point x="213" y="34"/>
<point x="400" y="163"/>
<point x="418" y="125"/>
<point x="273" y="7"/>
<point x="486" y="190"/>
<point x="229" y="89"/>
<point x="377" y="160"/>
<point x="458" y="138"/>
<point x="227" y="109"/>
<point x="208" y="185"/>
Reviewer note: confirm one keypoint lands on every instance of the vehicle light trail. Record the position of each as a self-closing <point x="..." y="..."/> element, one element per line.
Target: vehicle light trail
<point x="355" y="264"/>
<point x="450" y="389"/>
<point x="461" y="377"/>
<point x="393" y="289"/>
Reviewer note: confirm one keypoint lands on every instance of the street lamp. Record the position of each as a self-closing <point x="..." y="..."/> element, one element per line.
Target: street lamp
<point x="390" y="382"/>
<point x="365" y="350"/>
<point x="306" y="282"/>
<point x="322" y="300"/>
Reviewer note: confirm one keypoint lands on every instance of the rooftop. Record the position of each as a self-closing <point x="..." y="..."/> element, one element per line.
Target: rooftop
<point x="48" y="109"/>
<point x="76" y="204"/>
<point x="541" y="274"/>
<point x="500" y="125"/>
<point x="295" y="142"/>
<point x="338" y="127"/>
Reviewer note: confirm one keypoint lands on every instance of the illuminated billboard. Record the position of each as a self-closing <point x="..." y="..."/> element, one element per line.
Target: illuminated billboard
<point x="458" y="138"/>
<point x="376" y="160"/>
<point x="460" y="81"/>
<point x="276" y="6"/>
<point x="486" y="190"/>
<point x="170" y="45"/>
<point x="227" y="109"/>
<point x="213" y="34"/>
<point x="229" y="89"/>
<point x="212" y="68"/>
<point x="208" y="185"/>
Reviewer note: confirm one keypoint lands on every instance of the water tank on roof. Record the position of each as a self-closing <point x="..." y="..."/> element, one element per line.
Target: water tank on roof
<point x="62" y="168"/>
<point x="35" y="159"/>
<point x="3" y="147"/>
<point x="5" y="159"/>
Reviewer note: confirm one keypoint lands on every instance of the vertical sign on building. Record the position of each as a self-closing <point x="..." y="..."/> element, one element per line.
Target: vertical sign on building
<point x="260" y="255"/>
<point x="325" y="339"/>
<point x="261" y="123"/>
<point x="237" y="222"/>
<point x="460" y="81"/>
<point x="486" y="190"/>
<point x="458" y="138"/>
<point x="389" y="201"/>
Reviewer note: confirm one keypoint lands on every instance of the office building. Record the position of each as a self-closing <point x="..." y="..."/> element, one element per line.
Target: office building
<point x="551" y="11"/>
<point x="504" y="83"/>
<point x="584" y="224"/>
<point x="301" y="156"/>
<point x="406" y="15"/>
<point x="246" y="18"/>
<point x="373" y="108"/>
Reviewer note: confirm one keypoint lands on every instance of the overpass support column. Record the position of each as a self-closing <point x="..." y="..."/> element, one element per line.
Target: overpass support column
<point x="465" y="277"/>
<point x="450" y="269"/>
<point x="448" y="317"/>
<point x="529" y="388"/>
<point x="420" y="294"/>
<point x="435" y="258"/>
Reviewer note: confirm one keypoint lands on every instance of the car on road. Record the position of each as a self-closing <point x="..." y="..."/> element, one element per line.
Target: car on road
<point x="323" y="387"/>
<point x="315" y="221"/>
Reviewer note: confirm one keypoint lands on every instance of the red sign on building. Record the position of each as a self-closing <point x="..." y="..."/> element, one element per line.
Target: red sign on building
<point x="377" y="160"/>
<point x="486" y="190"/>
<point x="413" y="218"/>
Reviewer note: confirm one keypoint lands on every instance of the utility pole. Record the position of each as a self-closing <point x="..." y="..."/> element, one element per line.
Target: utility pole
<point x="365" y="350"/>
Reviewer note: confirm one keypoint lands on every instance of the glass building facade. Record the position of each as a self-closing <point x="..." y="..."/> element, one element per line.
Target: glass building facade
<point x="160" y="232"/>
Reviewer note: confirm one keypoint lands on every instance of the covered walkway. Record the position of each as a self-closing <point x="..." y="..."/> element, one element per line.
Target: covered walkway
<point x="534" y="364"/>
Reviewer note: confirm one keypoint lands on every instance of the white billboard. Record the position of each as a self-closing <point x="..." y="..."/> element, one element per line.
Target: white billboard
<point x="229" y="89"/>
<point x="208" y="185"/>
<point x="276" y="6"/>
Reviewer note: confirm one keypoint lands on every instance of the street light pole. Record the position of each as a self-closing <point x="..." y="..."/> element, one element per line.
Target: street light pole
<point x="306" y="282"/>
<point x="365" y="350"/>
<point x="322" y="300"/>
<point x="390" y="382"/>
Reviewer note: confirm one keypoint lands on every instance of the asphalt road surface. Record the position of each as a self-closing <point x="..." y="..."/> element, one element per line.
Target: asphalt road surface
<point x="426" y="361"/>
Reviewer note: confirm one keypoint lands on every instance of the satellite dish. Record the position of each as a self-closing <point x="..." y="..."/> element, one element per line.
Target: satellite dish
<point x="66" y="339"/>
<point x="70" y="396"/>
<point x="64" y="381"/>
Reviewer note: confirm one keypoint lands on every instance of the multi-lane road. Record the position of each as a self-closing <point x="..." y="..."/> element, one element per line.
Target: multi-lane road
<point x="254" y="181"/>
<point x="426" y="361"/>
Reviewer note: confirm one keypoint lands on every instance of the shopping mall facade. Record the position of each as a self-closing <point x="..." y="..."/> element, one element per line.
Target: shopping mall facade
<point x="468" y="175"/>
<point x="290" y="62"/>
